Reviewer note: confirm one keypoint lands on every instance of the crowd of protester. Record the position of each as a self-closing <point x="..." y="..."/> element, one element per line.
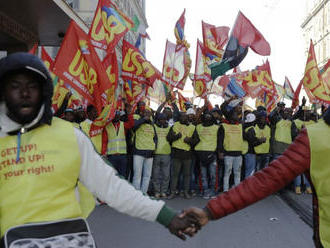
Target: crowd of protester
<point x="198" y="152"/>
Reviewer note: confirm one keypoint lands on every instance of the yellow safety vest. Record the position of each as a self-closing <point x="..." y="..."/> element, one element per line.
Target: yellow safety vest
<point x="144" y="137"/>
<point x="136" y="117"/>
<point x="186" y="131"/>
<point x="116" y="141"/>
<point x="96" y="140"/>
<point x="41" y="185"/>
<point x="246" y="143"/>
<point x="299" y="124"/>
<point x="208" y="138"/>
<point x="163" y="147"/>
<point x="283" y="131"/>
<point x="311" y="122"/>
<point x="319" y="136"/>
<point x="262" y="133"/>
<point x="233" y="140"/>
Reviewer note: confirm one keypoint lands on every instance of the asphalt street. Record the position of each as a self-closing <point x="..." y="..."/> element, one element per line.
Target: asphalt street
<point x="269" y="223"/>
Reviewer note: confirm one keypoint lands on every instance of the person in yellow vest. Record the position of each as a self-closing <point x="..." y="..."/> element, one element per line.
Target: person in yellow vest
<point x="230" y="143"/>
<point x="145" y="141"/>
<point x="162" y="158"/>
<point x="250" y="142"/>
<point x="85" y="126"/>
<point x="69" y="115"/>
<point x="308" y="154"/>
<point x="116" y="142"/>
<point x="207" y="140"/>
<point x="284" y="130"/>
<point x="43" y="158"/>
<point x="302" y="122"/>
<point x="263" y="133"/>
<point x="181" y="139"/>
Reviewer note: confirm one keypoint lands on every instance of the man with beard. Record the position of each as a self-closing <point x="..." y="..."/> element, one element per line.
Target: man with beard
<point x="38" y="201"/>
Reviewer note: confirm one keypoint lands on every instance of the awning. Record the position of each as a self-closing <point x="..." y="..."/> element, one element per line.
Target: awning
<point x="22" y="23"/>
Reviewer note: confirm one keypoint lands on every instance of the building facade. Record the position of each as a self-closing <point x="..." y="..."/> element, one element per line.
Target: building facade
<point x="316" y="27"/>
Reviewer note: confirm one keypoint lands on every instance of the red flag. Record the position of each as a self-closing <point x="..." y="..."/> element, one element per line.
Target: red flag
<point x="34" y="49"/>
<point x="182" y="101"/>
<point x="78" y="64"/>
<point x="110" y="64"/>
<point x="47" y="59"/>
<point x="265" y="67"/>
<point x="295" y="100"/>
<point x="109" y="25"/>
<point x="248" y="36"/>
<point x="179" y="27"/>
<point x="214" y="38"/>
<point x="312" y="79"/>
<point x="136" y="67"/>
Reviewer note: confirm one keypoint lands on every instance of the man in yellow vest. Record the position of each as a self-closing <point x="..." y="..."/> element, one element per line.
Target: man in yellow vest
<point x="230" y="141"/>
<point x="207" y="140"/>
<point x="263" y="132"/>
<point x="85" y="126"/>
<point x="181" y="138"/>
<point x="284" y="130"/>
<point x="116" y="142"/>
<point x="145" y="140"/>
<point x="162" y="158"/>
<point x="308" y="154"/>
<point x="43" y="158"/>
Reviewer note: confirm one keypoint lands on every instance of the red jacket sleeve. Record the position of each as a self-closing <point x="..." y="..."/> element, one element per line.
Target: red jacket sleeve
<point x="294" y="161"/>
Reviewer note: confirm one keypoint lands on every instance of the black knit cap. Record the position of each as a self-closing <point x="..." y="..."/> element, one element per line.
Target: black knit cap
<point x="25" y="61"/>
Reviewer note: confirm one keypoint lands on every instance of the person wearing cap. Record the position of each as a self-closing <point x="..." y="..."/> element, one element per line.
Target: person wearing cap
<point x="250" y="142"/>
<point x="162" y="158"/>
<point x="206" y="135"/>
<point x="230" y="142"/>
<point x="181" y="138"/>
<point x="116" y="142"/>
<point x="171" y="117"/>
<point x="309" y="154"/>
<point x="69" y="115"/>
<point x="263" y="133"/>
<point x="145" y="142"/>
<point x="38" y="200"/>
<point x="284" y="130"/>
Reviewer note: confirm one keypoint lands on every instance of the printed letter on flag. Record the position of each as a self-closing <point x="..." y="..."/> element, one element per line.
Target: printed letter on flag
<point x="109" y="25"/>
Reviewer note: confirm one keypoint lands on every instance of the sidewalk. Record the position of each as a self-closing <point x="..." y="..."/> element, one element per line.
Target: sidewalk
<point x="301" y="204"/>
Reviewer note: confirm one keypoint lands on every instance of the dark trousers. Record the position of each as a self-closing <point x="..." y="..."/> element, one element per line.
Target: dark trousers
<point x="119" y="162"/>
<point x="185" y="164"/>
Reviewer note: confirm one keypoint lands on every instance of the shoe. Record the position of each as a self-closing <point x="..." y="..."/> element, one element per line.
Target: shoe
<point x="163" y="195"/>
<point x="298" y="190"/>
<point x="171" y="196"/>
<point x="186" y="195"/>
<point x="157" y="195"/>
<point x="309" y="190"/>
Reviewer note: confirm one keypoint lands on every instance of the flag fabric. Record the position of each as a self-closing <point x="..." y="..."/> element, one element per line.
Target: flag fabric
<point x="265" y="67"/>
<point x="34" y="49"/>
<point x="157" y="92"/>
<point x="214" y="38"/>
<point x="312" y="79"/>
<point x="295" y="99"/>
<point x="179" y="27"/>
<point x="280" y="90"/>
<point x="139" y="27"/>
<point x="175" y="65"/>
<point x="110" y="64"/>
<point x="78" y="64"/>
<point x="109" y="25"/>
<point x="134" y="92"/>
<point x="182" y="100"/>
<point x="135" y="67"/>
<point x="243" y="36"/>
<point x="48" y="61"/>
<point x="181" y="48"/>
<point x="200" y="77"/>
<point x="234" y="89"/>
<point x="288" y="89"/>
<point x="325" y="73"/>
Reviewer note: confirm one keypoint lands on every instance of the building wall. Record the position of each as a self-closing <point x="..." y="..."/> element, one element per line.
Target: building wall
<point x="316" y="26"/>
